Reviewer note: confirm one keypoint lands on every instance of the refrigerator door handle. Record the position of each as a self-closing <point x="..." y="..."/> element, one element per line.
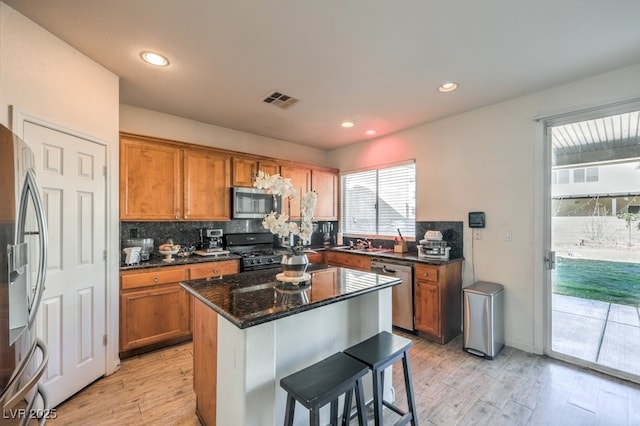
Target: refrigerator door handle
<point x="46" y="408"/>
<point x="31" y="189"/>
<point x="33" y="380"/>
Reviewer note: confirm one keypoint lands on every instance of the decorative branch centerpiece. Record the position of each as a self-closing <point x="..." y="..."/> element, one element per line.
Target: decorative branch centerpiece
<point x="294" y="261"/>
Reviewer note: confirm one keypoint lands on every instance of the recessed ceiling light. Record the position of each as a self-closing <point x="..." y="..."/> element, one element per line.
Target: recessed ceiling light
<point x="448" y="87"/>
<point x="154" y="59"/>
<point x="370" y="132"/>
<point x="347" y="124"/>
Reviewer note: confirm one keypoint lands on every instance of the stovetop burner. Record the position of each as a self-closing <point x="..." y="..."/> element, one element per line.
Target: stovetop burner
<point x="257" y="250"/>
<point x="257" y="253"/>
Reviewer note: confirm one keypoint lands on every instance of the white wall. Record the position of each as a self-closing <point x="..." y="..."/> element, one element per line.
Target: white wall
<point x="151" y="123"/>
<point x="46" y="79"/>
<point x="492" y="159"/>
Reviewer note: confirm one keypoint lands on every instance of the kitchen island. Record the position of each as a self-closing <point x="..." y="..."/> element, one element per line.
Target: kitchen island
<point x="250" y="330"/>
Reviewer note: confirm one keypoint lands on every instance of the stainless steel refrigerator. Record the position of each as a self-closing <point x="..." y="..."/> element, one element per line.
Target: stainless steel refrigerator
<point x="23" y="265"/>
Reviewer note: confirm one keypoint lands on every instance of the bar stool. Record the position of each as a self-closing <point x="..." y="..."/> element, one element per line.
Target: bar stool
<point x="379" y="352"/>
<point x="324" y="382"/>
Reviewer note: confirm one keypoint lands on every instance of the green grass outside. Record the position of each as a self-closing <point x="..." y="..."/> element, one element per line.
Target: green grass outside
<point x="614" y="282"/>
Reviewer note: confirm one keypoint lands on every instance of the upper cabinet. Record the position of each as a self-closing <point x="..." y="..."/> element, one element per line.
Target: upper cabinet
<point x="206" y="185"/>
<point x="245" y="169"/>
<point x="150" y="180"/>
<point x="162" y="181"/>
<point x="326" y="185"/>
<point x="301" y="180"/>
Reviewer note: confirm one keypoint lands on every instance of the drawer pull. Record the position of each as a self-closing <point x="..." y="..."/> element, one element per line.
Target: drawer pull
<point x="156" y="279"/>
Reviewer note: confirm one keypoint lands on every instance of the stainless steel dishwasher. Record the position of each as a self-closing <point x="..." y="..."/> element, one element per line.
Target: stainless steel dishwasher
<point x="402" y="294"/>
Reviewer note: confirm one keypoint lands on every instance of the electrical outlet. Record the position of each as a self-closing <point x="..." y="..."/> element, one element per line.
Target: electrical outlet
<point x="477" y="234"/>
<point x="508" y="236"/>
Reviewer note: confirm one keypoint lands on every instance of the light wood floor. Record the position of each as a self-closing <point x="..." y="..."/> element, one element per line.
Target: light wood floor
<point x="451" y="388"/>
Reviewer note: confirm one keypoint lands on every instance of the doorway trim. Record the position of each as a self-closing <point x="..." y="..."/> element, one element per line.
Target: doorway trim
<point x="18" y="117"/>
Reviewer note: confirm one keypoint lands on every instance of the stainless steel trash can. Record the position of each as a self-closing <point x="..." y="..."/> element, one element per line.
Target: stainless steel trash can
<point x="483" y="322"/>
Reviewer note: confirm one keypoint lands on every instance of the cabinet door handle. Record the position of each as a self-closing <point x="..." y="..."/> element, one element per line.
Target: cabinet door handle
<point x="186" y="217"/>
<point x="177" y="217"/>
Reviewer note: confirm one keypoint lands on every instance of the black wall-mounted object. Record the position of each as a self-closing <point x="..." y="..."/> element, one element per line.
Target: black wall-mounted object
<point x="476" y="220"/>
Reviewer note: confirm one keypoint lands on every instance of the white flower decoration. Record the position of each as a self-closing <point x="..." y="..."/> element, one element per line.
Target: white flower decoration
<point x="279" y="224"/>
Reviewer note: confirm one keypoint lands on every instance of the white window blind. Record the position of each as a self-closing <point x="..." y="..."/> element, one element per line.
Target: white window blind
<point x="379" y="202"/>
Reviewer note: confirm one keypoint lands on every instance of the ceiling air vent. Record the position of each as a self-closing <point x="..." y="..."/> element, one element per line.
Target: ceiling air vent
<point x="280" y="100"/>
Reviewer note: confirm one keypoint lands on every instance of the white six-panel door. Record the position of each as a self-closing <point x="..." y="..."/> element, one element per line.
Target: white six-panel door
<point x="71" y="321"/>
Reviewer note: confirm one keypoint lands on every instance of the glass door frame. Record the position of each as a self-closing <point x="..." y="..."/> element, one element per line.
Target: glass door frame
<point x="543" y="330"/>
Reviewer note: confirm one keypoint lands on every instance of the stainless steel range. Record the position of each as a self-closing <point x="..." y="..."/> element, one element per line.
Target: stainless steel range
<point x="257" y="250"/>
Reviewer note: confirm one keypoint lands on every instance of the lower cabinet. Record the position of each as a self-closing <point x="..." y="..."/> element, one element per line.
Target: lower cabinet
<point x="438" y="301"/>
<point x="317" y="257"/>
<point x="155" y="311"/>
<point x="154" y="315"/>
<point x="360" y="262"/>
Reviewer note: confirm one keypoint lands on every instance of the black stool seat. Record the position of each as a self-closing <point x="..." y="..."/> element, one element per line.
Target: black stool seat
<point x="324" y="382"/>
<point x="378" y="353"/>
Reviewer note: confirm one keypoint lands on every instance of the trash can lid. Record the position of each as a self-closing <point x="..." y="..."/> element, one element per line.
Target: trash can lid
<point x="484" y="287"/>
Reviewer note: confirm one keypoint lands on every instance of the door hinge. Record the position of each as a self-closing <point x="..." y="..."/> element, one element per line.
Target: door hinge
<point x="104" y="254"/>
<point x="104" y="340"/>
<point x="550" y="259"/>
<point x="104" y="171"/>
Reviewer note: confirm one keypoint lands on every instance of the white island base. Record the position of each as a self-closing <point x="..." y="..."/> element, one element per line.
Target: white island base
<point x="251" y="361"/>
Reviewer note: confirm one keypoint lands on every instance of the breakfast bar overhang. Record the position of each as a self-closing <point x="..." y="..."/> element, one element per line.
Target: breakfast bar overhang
<point x="250" y="330"/>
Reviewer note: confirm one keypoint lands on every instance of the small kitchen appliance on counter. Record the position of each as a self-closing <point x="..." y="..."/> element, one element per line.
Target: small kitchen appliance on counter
<point x="211" y="243"/>
<point x="433" y="246"/>
<point x="145" y="245"/>
<point x="132" y="255"/>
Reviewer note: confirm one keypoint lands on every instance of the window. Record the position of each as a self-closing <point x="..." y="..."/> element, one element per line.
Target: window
<point x="578" y="176"/>
<point x="592" y="174"/>
<point x="379" y="202"/>
<point x="563" y="176"/>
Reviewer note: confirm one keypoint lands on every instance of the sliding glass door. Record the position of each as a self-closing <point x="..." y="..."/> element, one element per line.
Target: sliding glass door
<point x="594" y="249"/>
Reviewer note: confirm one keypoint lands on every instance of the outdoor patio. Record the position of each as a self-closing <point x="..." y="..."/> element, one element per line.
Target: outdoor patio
<point x="600" y="332"/>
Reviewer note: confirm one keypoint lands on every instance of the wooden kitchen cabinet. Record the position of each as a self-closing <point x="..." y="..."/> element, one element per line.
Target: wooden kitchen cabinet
<point x="301" y="181"/>
<point x="168" y="182"/>
<point x="244" y="170"/>
<point x="150" y="180"/>
<point x="317" y="257"/>
<point x="349" y="260"/>
<point x="214" y="269"/>
<point x="206" y="185"/>
<point x="155" y="311"/>
<point x="154" y="308"/>
<point x="325" y="184"/>
<point x="438" y="301"/>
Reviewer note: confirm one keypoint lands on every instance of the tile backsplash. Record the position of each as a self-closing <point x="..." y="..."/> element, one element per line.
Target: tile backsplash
<point x="188" y="233"/>
<point x="452" y="232"/>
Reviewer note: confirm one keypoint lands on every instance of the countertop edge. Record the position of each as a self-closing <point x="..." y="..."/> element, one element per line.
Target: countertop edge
<point x="293" y="311"/>
<point x="187" y="261"/>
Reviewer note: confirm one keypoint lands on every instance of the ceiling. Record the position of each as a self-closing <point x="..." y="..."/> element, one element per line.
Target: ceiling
<point x="377" y="63"/>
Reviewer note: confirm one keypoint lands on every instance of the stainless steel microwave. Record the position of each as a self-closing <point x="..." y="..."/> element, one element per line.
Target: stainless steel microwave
<point x="253" y="203"/>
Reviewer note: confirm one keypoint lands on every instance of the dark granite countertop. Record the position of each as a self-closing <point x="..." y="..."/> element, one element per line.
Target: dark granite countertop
<point x="251" y="298"/>
<point x="389" y="254"/>
<point x="156" y="261"/>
